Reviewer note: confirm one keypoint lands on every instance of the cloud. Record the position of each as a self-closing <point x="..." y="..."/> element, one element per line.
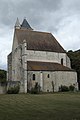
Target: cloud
<point x="69" y="25"/>
<point x="5" y="46"/>
<point x="27" y="8"/>
<point x="68" y="33"/>
<point x="60" y="17"/>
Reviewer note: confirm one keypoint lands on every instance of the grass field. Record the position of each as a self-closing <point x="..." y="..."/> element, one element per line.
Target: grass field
<point x="57" y="106"/>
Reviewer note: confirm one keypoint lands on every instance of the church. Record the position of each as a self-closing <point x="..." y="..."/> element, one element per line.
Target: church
<point x="37" y="57"/>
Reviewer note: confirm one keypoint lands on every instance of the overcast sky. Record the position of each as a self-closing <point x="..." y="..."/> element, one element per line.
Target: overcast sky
<point x="60" y="17"/>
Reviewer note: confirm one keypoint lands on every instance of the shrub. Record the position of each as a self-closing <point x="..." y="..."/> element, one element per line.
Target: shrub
<point x="71" y="88"/>
<point x="2" y="76"/>
<point x="36" y="89"/>
<point x="13" y="90"/>
<point x="63" y="88"/>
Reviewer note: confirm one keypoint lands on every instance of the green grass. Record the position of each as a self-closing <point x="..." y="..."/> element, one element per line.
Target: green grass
<point x="57" y="106"/>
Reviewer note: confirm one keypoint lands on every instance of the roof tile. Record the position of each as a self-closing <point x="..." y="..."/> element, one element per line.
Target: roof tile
<point x="39" y="41"/>
<point x="46" y="66"/>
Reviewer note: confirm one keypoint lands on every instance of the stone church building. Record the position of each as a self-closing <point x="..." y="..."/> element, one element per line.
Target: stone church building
<point x="37" y="57"/>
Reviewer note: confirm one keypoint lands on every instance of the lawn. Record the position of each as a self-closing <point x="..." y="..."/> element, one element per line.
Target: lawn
<point x="57" y="106"/>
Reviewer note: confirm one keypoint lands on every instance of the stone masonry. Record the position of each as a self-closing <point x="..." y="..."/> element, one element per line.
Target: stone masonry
<point x="38" y="57"/>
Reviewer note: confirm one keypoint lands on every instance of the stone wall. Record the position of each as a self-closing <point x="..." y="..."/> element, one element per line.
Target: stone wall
<point x="57" y="78"/>
<point x="2" y="89"/>
<point x="9" y="67"/>
<point x="16" y="64"/>
<point x="44" y="56"/>
<point x="66" y="78"/>
<point x="19" y="66"/>
<point x="21" y="55"/>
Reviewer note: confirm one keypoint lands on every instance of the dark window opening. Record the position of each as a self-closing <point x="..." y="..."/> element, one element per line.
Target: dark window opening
<point x="47" y="90"/>
<point x="33" y="76"/>
<point x="14" y="71"/>
<point x="62" y="61"/>
<point x="48" y="76"/>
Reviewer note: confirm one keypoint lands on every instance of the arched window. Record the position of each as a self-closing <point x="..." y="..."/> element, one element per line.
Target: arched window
<point x="33" y="76"/>
<point x="62" y="61"/>
<point x="48" y="76"/>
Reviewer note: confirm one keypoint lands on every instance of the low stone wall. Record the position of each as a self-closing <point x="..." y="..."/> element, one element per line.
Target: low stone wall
<point x="3" y="88"/>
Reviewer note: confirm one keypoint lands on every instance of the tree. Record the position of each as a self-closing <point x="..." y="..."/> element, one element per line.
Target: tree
<point x="75" y="62"/>
<point x="2" y="76"/>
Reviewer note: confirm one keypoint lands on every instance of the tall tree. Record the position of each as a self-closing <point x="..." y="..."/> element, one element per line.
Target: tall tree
<point x="75" y="62"/>
<point x="2" y="76"/>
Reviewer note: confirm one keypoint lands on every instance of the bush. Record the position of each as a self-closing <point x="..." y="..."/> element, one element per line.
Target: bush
<point x="36" y="89"/>
<point x="63" y="88"/>
<point x="13" y="90"/>
<point x="2" y="76"/>
<point x="71" y="88"/>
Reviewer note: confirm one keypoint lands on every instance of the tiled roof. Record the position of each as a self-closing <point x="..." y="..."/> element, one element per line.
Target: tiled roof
<point x="25" y="24"/>
<point x="39" y="41"/>
<point x="46" y="66"/>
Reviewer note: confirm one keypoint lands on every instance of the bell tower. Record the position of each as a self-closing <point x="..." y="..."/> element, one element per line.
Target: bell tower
<point x="17" y="24"/>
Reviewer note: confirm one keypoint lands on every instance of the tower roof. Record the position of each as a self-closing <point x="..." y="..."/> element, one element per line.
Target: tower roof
<point x="17" y="24"/>
<point x="25" y="24"/>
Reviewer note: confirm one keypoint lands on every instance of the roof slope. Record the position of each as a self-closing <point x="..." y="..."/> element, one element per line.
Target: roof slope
<point x="40" y="41"/>
<point x="17" y="24"/>
<point x="46" y="66"/>
<point x="25" y="24"/>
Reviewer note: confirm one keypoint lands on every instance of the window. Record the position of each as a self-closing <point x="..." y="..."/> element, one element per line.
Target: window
<point x="48" y="76"/>
<point x="14" y="71"/>
<point x="62" y="61"/>
<point x="33" y="76"/>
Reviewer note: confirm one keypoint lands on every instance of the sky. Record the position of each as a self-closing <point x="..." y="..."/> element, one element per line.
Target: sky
<point x="60" y="17"/>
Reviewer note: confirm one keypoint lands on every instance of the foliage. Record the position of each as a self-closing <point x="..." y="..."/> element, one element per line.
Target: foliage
<point x="63" y="88"/>
<point x="2" y="76"/>
<point x="13" y="90"/>
<point x="75" y="61"/>
<point x="71" y="88"/>
<point x="36" y="89"/>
